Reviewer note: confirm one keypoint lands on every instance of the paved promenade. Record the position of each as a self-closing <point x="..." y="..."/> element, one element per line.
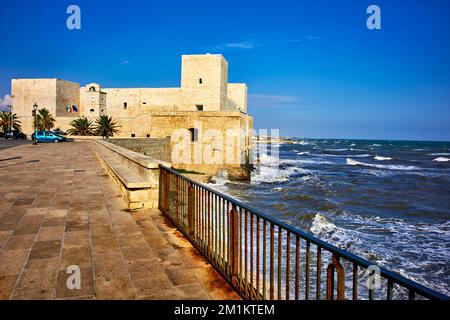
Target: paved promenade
<point x="59" y="208"/>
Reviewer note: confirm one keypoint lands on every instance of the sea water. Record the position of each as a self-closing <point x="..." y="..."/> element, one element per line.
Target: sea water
<point x="386" y="201"/>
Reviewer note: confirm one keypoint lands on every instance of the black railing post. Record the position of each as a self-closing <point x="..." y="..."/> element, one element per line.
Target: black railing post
<point x="191" y="206"/>
<point x="233" y="245"/>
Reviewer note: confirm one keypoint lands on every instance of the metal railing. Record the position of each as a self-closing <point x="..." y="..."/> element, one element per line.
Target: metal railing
<point x="266" y="259"/>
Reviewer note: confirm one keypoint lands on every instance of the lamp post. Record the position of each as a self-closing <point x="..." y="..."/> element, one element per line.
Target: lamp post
<point x="11" y="97"/>
<point x="35" y="106"/>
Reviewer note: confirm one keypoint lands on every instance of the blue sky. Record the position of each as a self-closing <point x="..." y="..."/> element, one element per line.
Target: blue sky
<point x="312" y="67"/>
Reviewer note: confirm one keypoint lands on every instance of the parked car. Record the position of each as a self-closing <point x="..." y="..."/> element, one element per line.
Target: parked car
<point x="47" y="136"/>
<point x="58" y="131"/>
<point x="14" y="134"/>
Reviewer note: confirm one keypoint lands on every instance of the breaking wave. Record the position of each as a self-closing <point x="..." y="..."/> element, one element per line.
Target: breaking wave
<point x="365" y="155"/>
<point x="352" y="162"/>
<point x="441" y="159"/>
<point x="338" y="150"/>
<point x="379" y="158"/>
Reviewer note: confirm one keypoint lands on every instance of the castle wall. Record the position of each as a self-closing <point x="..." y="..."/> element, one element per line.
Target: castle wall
<point x="237" y="97"/>
<point x="26" y="93"/>
<point x="140" y="100"/>
<point x="204" y="80"/>
<point x="67" y="95"/>
<point x="204" y="101"/>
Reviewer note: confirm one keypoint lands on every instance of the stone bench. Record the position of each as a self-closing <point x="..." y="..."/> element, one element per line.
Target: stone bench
<point x="136" y="175"/>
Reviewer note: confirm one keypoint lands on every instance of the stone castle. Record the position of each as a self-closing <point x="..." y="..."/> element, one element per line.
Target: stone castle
<point x="204" y="101"/>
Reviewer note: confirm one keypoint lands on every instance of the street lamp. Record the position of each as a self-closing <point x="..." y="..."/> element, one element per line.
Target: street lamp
<point x="11" y="97"/>
<point x="35" y="106"/>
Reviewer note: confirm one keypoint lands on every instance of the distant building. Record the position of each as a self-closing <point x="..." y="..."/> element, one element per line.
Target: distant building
<point x="205" y="100"/>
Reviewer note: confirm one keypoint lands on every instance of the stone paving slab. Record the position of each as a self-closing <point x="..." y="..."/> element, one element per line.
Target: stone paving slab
<point x="59" y="208"/>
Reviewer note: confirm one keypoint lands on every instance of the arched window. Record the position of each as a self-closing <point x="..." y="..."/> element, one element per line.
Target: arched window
<point x="194" y="134"/>
<point x="200" y="80"/>
<point x="92" y="89"/>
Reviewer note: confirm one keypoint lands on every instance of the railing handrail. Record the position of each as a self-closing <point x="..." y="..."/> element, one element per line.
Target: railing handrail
<point x="390" y="275"/>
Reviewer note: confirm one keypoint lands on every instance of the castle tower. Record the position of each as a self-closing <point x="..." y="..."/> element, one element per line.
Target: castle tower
<point x="204" y="82"/>
<point x="93" y="100"/>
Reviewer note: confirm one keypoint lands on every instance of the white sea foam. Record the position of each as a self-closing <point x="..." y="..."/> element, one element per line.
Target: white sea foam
<point x="221" y="178"/>
<point x="441" y="159"/>
<point x="352" y="162"/>
<point x="353" y="149"/>
<point x="314" y="161"/>
<point x="320" y="225"/>
<point x="303" y="153"/>
<point x="338" y="150"/>
<point x="376" y="145"/>
<point x="271" y="170"/>
<point x="303" y="143"/>
<point x="440" y="154"/>
<point x="380" y="158"/>
<point x="362" y="236"/>
<point x="365" y="155"/>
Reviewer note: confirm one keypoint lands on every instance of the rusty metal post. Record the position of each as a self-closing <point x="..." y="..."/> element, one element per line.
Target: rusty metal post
<point x="335" y="265"/>
<point x="233" y="245"/>
<point x="167" y="191"/>
<point x="191" y="206"/>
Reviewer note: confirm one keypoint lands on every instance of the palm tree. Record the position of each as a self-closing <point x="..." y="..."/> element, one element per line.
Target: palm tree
<point x="80" y="127"/>
<point x="105" y="126"/>
<point x="5" y="121"/>
<point x="45" y="120"/>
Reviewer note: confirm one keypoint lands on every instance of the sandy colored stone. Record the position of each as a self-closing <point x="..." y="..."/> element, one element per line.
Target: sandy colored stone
<point x="76" y="239"/>
<point x="7" y="283"/>
<point x="109" y="266"/>
<point x="51" y="233"/>
<point x="20" y="242"/>
<point x="38" y="273"/>
<point x="86" y="285"/>
<point x="114" y="289"/>
<point x="45" y="249"/>
<point x="79" y="256"/>
<point x="13" y="261"/>
<point x="33" y="294"/>
<point x="133" y="268"/>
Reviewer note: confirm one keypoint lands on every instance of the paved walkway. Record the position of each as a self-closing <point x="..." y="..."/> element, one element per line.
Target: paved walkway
<point x="59" y="207"/>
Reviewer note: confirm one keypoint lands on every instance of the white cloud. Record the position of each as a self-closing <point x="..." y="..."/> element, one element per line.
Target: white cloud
<point x="269" y="100"/>
<point x="5" y="102"/>
<point x="237" y="45"/>
<point x="125" y="62"/>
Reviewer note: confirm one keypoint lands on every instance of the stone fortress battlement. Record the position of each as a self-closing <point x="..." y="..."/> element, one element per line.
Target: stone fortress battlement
<point x="205" y="97"/>
<point x="204" y="87"/>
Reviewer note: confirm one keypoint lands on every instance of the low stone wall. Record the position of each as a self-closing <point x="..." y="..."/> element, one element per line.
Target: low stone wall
<point x="138" y="164"/>
<point x="157" y="148"/>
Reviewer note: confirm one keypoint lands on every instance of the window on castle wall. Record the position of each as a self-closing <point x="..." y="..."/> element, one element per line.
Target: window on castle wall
<point x="199" y="107"/>
<point x="133" y="135"/>
<point x="200" y="80"/>
<point x="92" y="110"/>
<point x="148" y="136"/>
<point x="194" y="134"/>
<point x="125" y="106"/>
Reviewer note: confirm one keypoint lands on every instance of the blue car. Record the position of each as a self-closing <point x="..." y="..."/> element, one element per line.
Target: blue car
<point x="47" y="136"/>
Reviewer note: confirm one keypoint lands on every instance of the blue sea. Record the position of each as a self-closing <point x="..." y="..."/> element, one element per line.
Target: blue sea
<point x="386" y="201"/>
